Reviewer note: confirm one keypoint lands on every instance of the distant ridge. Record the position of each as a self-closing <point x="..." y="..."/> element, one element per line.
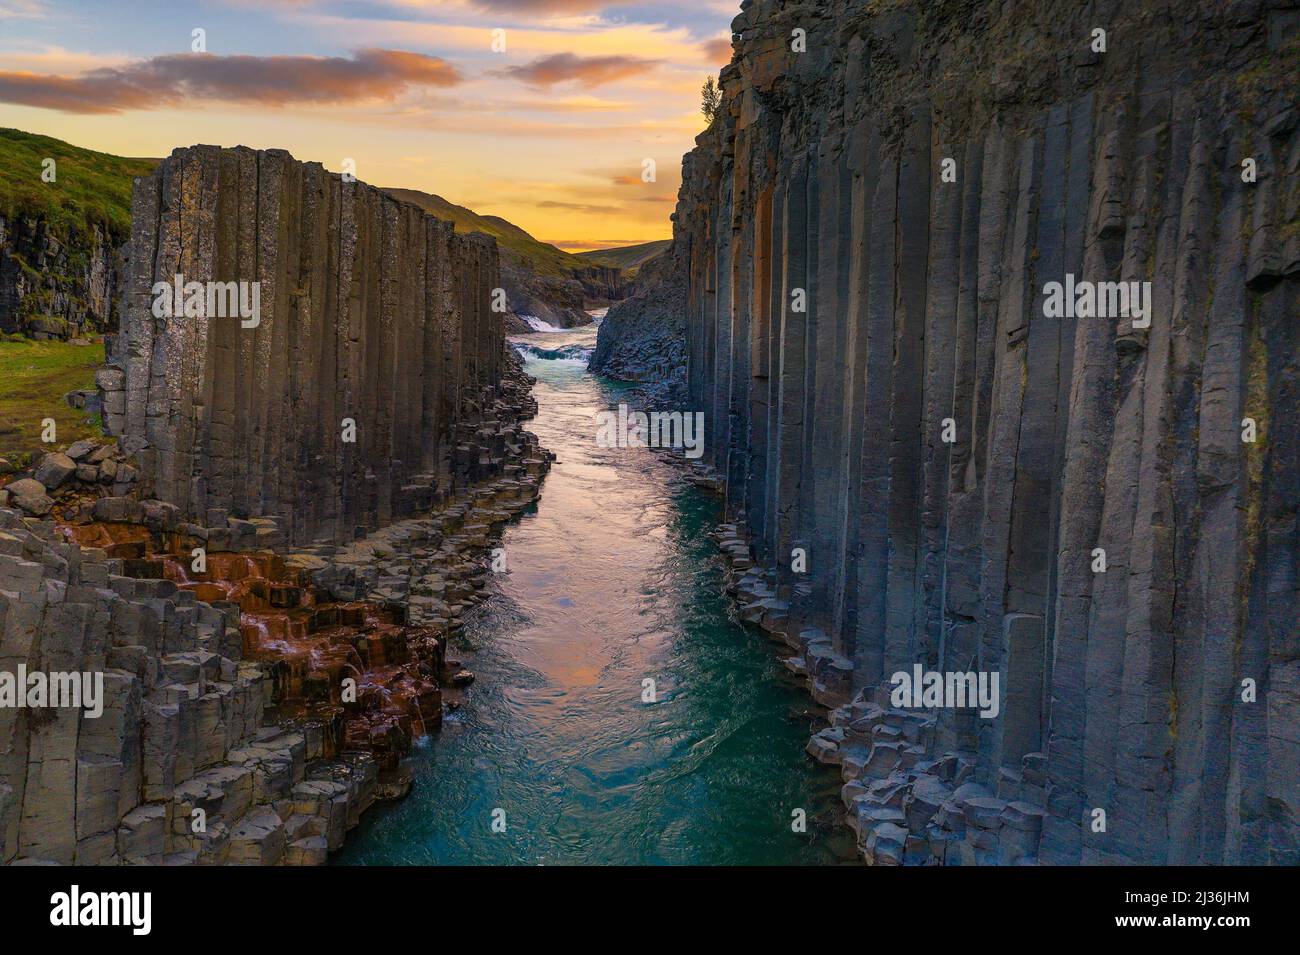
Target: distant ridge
<point x="541" y="257"/>
<point x="629" y="258"/>
<point x="90" y="188"/>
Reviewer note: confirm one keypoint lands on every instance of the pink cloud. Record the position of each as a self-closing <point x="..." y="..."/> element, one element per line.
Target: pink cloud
<point x="263" y="80"/>
<point x="586" y="70"/>
<point x="717" y="51"/>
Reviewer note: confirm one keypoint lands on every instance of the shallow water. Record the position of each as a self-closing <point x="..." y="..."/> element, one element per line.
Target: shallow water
<point x="611" y="581"/>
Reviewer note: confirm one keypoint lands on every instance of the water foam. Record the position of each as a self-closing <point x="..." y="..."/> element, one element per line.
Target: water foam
<point x="537" y="325"/>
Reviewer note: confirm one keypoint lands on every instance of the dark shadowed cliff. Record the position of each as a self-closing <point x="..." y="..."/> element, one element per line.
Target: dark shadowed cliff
<point x="643" y="338"/>
<point x="1098" y="508"/>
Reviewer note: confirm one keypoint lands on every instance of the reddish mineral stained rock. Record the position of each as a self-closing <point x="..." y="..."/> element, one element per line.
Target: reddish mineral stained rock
<point x="128" y="541"/>
<point x="310" y="643"/>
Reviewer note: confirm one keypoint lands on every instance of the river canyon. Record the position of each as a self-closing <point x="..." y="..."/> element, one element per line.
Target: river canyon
<point x="608" y="581"/>
<point x="988" y="312"/>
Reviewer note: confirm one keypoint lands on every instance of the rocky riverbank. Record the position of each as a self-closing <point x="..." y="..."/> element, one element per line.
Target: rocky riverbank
<point x="255" y="703"/>
<point x="907" y="800"/>
<point x="264" y="568"/>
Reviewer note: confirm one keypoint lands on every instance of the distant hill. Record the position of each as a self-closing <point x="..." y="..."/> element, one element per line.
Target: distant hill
<point x="540" y="280"/>
<point x="629" y="258"/>
<point x="90" y="188"/>
<point x="533" y="254"/>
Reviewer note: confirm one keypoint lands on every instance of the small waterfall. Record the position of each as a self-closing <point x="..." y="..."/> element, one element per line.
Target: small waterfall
<point x="538" y="325"/>
<point x="578" y="354"/>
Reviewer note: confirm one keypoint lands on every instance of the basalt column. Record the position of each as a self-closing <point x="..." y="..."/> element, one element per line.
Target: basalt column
<point x="330" y="406"/>
<point x="1096" y="505"/>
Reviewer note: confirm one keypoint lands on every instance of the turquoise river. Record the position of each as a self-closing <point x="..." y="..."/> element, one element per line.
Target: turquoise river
<point x="611" y="580"/>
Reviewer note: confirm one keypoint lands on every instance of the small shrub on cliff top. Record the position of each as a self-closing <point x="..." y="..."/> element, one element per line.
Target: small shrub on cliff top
<point x="710" y="99"/>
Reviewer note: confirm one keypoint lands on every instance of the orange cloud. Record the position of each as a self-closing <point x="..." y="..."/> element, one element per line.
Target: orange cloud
<point x="588" y="70"/>
<point x="576" y="206"/>
<point x="261" y="80"/>
<point x="717" y="51"/>
<point x="546" y="8"/>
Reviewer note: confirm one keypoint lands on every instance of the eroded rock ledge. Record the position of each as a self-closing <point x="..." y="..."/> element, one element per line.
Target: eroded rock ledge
<point x="1126" y="691"/>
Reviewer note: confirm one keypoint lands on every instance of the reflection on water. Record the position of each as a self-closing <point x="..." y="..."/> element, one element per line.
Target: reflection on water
<point x="611" y="582"/>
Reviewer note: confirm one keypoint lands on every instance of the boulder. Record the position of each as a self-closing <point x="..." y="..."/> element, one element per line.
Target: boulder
<point x="30" y="496"/>
<point x="54" y="469"/>
<point x="80" y="449"/>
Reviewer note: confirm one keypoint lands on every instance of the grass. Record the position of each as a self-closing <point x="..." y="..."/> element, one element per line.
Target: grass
<point x="90" y="188"/>
<point x="541" y="257"/>
<point x="34" y="377"/>
<point x="630" y="258"/>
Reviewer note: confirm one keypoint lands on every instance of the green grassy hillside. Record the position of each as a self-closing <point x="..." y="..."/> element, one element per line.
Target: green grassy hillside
<point x="90" y="188"/>
<point x="540" y="257"/>
<point x="629" y="257"/>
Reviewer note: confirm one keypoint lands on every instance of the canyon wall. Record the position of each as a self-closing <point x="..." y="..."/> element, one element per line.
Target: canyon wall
<point x="50" y="288"/>
<point x="161" y="569"/>
<point x="1099" y="510"/>
<point x="372" y="313"/>
<point x="560" y="302"/>
<point x="643" y="338"/>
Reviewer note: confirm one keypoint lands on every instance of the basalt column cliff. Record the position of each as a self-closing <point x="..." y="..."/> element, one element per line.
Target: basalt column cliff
<point x="930" y="463"/>
<point x="260" y="654"/>
<point x="332" y="409"/>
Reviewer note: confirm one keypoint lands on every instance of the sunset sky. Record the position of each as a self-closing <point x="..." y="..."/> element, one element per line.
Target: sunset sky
<point x="550" y="134"/>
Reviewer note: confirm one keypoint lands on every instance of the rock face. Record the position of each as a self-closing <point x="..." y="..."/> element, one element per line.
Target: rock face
<point x="644" y="337"/>
<point x="181" y="714"/>
<point x="556" y="301"/>
<point x="50" y="289"/>
<point x="223" y="690"/>
<point x="375" y="324"/>
<point x="227" y="731"/>
<point x="601" y="283"/>
<point x="868" y="232"/>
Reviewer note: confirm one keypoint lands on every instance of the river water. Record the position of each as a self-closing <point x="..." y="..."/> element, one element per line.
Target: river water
<point x="610" y="581"/>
